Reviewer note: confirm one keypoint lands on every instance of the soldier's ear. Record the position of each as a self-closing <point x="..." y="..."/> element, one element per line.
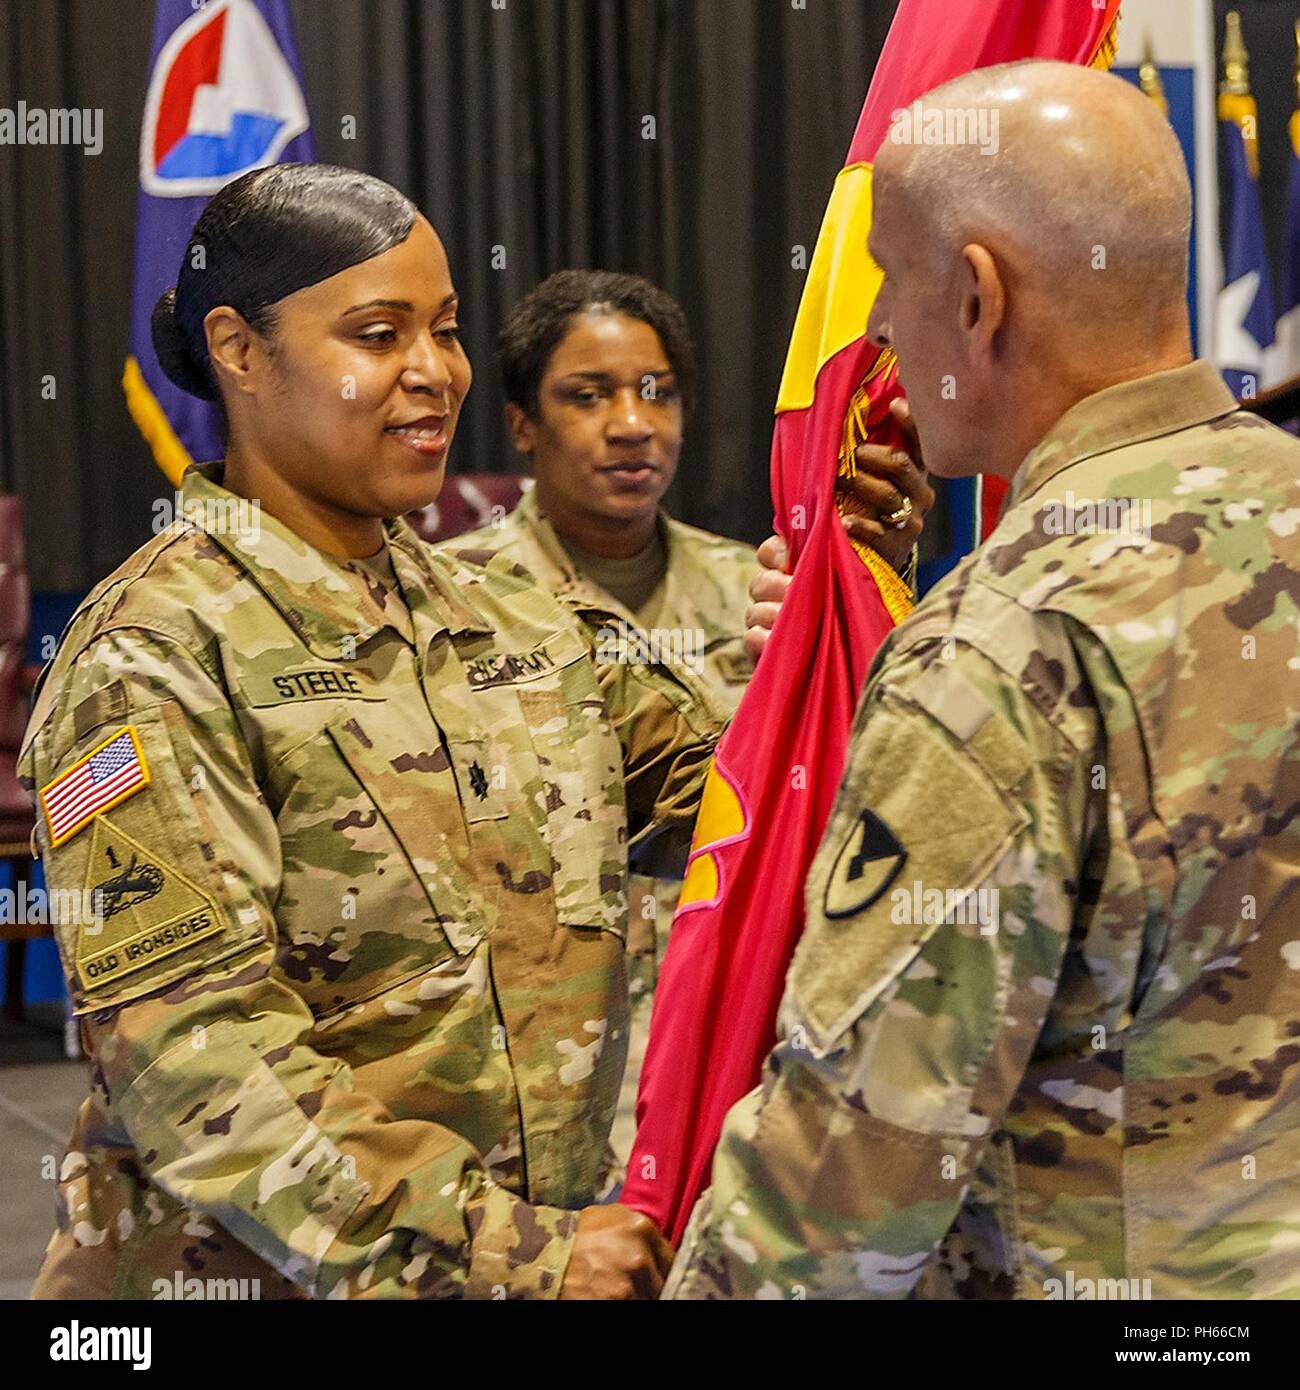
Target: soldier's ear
<point x="983" y="307"/>
<point x="233" y="347"/>
<point x="521" y="428"/>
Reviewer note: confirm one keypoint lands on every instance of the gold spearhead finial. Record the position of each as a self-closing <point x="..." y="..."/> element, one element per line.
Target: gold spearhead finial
<point x="1149" y="76"/>
<point x="1236" y="60"/>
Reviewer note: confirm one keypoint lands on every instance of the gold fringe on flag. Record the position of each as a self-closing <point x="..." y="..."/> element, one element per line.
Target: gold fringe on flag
<point x="1109" y="47"/>
<point x="898" y="598"/>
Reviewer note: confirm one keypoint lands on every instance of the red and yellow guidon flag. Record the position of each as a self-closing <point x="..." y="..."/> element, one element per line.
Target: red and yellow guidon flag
<point x="777" y="769"/>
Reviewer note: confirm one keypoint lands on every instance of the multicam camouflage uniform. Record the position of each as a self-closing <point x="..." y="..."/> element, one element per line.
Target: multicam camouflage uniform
<point x="706" y="588"/>
<point x="356" y="998"/>
<point x="1099" y="1094"/>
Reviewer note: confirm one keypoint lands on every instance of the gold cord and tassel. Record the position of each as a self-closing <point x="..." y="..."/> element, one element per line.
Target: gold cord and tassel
<point x="1149" y="78"/>
<point x="1109" y="48"/>
<point x="1236" y="104"/>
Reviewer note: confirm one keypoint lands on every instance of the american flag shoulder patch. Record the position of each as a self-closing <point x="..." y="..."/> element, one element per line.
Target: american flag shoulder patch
<point x="102" y="779"/>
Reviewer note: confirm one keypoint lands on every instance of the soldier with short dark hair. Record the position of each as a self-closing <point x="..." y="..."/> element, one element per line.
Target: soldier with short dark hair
<point x="599" y="374"/>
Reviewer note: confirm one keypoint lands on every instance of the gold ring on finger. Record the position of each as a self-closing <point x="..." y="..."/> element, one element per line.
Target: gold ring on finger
<point x="897" y="520"/>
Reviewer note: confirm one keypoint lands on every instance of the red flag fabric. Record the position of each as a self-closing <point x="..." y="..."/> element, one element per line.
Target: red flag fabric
<point x="777" y="769"/>
<point x="992" y="498"/>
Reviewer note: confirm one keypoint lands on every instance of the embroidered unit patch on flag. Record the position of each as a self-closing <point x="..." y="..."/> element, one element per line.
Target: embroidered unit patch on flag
<point x="104" y="778"/>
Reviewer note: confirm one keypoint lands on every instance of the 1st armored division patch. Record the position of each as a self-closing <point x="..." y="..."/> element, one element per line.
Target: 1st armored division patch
<point x="146" y="909"/>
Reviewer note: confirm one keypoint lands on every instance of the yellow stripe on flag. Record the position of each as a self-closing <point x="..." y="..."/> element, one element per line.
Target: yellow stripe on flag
<point x="151" y="420"/>
<point x="843" y="282"/>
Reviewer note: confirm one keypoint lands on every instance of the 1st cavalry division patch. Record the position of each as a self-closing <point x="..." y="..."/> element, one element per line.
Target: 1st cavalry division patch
<point x="104" y="778"/>
<point x="147" y="910"/>
<point x="868" y="862"/>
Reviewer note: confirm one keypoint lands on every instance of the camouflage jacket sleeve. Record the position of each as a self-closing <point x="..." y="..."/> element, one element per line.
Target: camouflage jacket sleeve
<point x="668" y="724"/>
<point x="205" y="1051"/>
<point x="938" y="913"/>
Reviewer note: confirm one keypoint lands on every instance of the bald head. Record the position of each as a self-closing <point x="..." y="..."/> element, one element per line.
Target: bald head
<point x="1032" y="221"/>
<point x="1079" y="180"/>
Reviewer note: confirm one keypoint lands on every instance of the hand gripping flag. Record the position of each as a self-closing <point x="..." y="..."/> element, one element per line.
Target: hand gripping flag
<point x="224" y="97"/>
<point x="778" y="767"/>
<point x="1245" y="323"/>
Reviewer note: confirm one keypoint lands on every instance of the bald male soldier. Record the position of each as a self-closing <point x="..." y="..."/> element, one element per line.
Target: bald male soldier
<point x="1041" y="1038"/>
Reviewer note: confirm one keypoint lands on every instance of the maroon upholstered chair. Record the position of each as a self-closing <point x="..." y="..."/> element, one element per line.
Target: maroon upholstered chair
<point x="467" y="502"/>
<point x="17" y="817"/>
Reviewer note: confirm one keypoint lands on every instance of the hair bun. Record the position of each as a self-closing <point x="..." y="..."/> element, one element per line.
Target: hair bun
<point x="174" y="355"/>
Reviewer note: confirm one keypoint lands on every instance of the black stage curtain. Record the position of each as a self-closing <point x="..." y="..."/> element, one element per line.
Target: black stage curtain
<point x="693" y="141"/>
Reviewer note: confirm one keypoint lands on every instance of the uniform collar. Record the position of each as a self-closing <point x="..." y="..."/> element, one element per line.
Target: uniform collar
<point x="1130" y="413"/>
<point x="686" y="576"/>
<point x="328" y="611"/>
<point x="427" y="578"/>
<point x="533" y="521"/>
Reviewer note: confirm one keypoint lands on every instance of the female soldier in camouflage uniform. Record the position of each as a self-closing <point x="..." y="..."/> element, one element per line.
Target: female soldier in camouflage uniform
<point x="357" y="818"/>
<point x="599" y="374"/>
<point x="599" y="371"/>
